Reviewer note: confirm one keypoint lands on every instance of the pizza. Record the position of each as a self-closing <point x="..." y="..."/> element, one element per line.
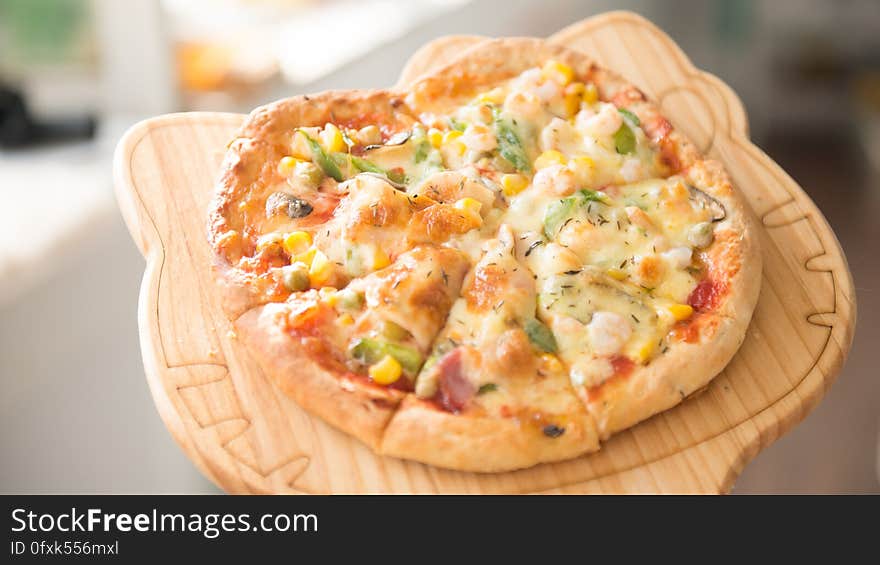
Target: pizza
<point x="503" y="265"/>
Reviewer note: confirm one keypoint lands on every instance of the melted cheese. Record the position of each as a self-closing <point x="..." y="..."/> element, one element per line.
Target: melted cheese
<point x="597" y="246"/>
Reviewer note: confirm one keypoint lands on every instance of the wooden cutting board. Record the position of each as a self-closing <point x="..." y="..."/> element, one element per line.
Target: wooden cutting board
<point x="247" y="437"/>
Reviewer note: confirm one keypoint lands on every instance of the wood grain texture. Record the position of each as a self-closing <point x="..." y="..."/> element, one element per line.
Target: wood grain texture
<point x="248" y="437"/>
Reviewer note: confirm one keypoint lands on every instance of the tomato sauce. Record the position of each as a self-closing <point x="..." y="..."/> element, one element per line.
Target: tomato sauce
<point x="623" y="366"/>
<point x="706" y="295"/>
<point x="658" y="128"/>
<point x="308" y="321"/>
<point x="688" y="332"/>
<point x="669" y="154"/>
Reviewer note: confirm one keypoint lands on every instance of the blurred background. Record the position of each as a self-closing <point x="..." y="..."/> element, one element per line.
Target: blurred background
<point x="75" y="411"/>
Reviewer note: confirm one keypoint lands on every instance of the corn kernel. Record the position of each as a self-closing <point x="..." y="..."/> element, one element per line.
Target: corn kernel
<point x="351" y="134"/>
<point x="297" y="242"/>
<point x="320" y="270"/>
<point x="287" y="165"/>
<point x="574" y="93"/>
<point x="470" y="208"/>
<point x="512" y="185"/>
<point x="346" y="319"/>
<point x="494" y="96"/>
<point x="386" y="371"/>
<point x="305" y="258"/>
<point x="548" y="158"/>
<point x="369" y="135"/>
<point x="451" y="136"/>
<point x="560" y="72"/>
<point x="572" y="104"/>
<point x="646" y="350"/>
<point x="331" y="138"/>
<point x="550" y="363"/>
<point x="591" y="94"/>
<point x="299" y="147"/>
<point x="577" y="88"/>
<point x="435" y="137"/>
<point x="616" y="274"/>
<point x="380" y="259"/>
<point x="583" y="168"/>
<point x="469" y="204"/>
<point x="681" y="311"/>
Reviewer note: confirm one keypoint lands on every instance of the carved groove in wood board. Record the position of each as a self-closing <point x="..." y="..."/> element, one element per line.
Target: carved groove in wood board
<point x="232" y="431"/>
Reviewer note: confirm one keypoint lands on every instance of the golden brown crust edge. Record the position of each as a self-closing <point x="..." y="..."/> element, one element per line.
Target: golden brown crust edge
<point x="435" y="54"/>
<point x="422" y="432"/>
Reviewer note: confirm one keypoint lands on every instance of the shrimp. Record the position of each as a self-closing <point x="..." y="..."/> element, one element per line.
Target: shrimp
<point x="604" y="123"/>
<point x="608" y="332"/>
<point x="556" y="180"/>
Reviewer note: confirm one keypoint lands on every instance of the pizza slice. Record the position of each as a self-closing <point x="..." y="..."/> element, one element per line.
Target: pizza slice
<point x="634" y="280"/>
<point x="493" y="382"/>
<point x="351" y="355"/>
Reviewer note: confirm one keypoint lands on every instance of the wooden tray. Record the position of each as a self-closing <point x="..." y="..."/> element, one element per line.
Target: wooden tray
<point x="247" y="437"/>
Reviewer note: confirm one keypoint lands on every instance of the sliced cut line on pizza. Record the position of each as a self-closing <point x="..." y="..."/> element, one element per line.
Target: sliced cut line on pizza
<point x="507" y="263"/>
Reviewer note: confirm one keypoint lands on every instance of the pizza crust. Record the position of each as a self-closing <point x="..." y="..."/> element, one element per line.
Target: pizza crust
<point x="435" y="54"/>
<point x="350" y="404"/>
<point x="422" y="432"/>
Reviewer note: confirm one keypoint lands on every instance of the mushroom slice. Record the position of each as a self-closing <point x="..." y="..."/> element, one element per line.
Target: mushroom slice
<point x="395" y="140"/>
<point x="708" y="202"/>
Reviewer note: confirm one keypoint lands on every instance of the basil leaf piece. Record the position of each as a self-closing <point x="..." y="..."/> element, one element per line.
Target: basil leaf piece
<point x="587" y="195"/>
<point x="557" y="212"/>
<point x="422" y="150"/>
<point x="320" y="157"/>
<point x="625" y="137"/>
<point x="457" y="125"/>
<point x="488" y="387"/>
<point x="365" y="166"/>
<point x="560" y="210"/>
<point x="629" y="116"/>
<point x="625" y="140"/>
<point x="409" y="358"/>
<point x="541" y="336"/>
<point x="369" y="351"/>
<point x="510" y="146"/>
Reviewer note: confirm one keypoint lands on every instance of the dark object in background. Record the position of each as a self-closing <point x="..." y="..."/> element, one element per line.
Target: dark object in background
<point x="18" y="128"/>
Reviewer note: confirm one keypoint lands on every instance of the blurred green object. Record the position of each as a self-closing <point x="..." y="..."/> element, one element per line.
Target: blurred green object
<point x="734" y="21"/>
<point x="45" y="32"/>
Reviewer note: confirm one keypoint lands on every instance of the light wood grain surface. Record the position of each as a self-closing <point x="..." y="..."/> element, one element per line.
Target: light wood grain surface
<point x="248" y="437"/>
